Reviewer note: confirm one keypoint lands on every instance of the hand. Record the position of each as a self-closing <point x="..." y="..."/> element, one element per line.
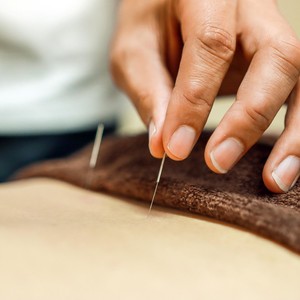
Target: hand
<point x="173" y="57"/>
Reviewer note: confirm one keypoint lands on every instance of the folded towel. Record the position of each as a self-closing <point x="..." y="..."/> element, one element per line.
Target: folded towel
<point x="126" y="168"/>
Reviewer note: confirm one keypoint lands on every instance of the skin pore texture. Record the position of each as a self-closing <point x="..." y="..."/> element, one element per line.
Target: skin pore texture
<point x="239" y="197"/>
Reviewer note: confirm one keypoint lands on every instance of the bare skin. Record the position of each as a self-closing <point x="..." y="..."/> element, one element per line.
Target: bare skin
<point x="173" y="57"/>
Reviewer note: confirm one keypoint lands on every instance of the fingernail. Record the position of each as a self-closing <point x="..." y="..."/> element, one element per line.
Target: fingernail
<point x="152" y="130"/>
<point x="287" y="173"/>
<point x="182" y="141"/>
<point x="226" y="154"/>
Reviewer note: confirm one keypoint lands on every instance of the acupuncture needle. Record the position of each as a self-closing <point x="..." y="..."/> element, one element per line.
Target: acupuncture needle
<point x="96" y="147"/>
<point x="95" y="151"/>
<point x="157" y="182"/>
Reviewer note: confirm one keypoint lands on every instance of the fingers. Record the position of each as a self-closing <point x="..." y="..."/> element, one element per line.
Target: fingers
<point x="282" y="168"/>
<point x="208" y="31"/>
<point x="270" y="79"/>
<point x="137" y="66"/>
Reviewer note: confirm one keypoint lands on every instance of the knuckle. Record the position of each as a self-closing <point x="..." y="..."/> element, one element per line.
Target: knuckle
<point x="258" y="117"/>
<point x="144" y="100"/>
<point x="217" y="41"/>
<point x="286" y="52"/>
<point x="195" y="98"/>
<point x="115" y="62"/>
<point x="121" y="61"/>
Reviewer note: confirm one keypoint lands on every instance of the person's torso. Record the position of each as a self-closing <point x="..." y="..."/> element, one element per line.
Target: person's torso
<point x="53" y="64"/>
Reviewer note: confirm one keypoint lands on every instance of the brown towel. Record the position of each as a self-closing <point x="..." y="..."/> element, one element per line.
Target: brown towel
<point x="126" y="168"/>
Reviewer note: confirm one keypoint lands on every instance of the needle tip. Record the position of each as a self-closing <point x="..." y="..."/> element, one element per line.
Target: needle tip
<point x="157" y="182"/>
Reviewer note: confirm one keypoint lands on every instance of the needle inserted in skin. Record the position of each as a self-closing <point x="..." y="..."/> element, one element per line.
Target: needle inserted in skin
<point x="96" y="147"/>
<point x="157" y="182"/>
<point x="95" y="153"/>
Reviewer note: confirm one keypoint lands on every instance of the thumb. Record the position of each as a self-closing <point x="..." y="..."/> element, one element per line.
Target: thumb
<point x="140" y="71"/>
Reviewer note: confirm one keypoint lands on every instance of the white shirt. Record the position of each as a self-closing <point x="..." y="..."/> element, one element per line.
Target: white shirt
<point x="53" y="65"/>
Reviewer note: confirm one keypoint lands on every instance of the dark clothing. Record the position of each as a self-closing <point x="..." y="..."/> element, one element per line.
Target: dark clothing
<point x="19" y="151"/>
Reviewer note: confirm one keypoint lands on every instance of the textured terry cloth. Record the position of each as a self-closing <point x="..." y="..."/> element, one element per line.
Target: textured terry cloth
<point x="126" y="168"/>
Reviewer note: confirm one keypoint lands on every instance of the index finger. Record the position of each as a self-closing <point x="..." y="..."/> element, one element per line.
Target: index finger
<point x="208" y="31"/>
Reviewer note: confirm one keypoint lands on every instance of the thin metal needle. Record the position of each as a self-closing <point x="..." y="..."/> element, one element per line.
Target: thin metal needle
<point x="95" y="153"/>
<point x="157" y="182"/>
<point x="96" y="147"/>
